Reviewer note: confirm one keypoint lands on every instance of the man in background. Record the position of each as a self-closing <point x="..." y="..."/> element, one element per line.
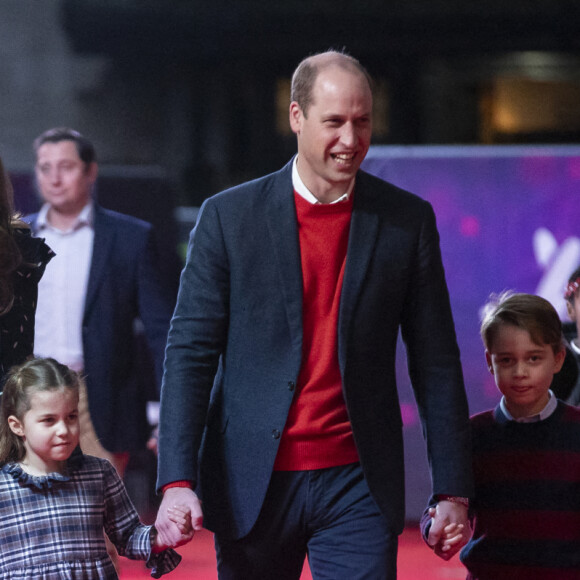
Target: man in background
<point x="102" y="285"/>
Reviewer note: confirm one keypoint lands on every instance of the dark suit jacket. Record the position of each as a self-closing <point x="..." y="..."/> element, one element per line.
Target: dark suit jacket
<point x="238" y="320"/>
<point x="124" y="285"/>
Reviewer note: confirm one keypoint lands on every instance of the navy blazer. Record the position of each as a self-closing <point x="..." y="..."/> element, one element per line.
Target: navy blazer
<point x="235" y="345"/>
<point x="124" y="285"/>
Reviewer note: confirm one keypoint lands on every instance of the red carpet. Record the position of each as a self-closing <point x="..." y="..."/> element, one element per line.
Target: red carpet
<point x="416" y="562"/>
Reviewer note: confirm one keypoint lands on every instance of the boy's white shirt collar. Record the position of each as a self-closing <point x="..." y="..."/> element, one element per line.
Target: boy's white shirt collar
<point x="543" y="414"/>
<point x="304" y="192"/>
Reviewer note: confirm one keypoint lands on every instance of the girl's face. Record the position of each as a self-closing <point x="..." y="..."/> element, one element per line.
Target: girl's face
<point x="49" y="429"/>
<point x="523" y="370"/>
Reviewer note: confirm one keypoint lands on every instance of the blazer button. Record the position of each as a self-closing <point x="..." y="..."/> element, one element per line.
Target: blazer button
<point x="275" y="434"/>
<point x="291" y="386"/>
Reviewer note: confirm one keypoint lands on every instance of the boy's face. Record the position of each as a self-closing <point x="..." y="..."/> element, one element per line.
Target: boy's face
<point x="523" y="370"/>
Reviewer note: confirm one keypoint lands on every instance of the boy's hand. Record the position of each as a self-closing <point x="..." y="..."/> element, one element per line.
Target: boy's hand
<point x="450" y="529"/>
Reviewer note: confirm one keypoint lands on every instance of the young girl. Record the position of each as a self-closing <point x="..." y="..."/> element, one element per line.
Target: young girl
<point x="56" y="502"/>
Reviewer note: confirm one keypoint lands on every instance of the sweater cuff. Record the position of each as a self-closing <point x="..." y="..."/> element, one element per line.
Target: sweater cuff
<point x="180" y="483"/>
<point x="454" y="499"/>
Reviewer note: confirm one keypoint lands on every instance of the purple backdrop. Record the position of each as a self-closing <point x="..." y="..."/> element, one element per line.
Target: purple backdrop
<point x="508" y="219"/>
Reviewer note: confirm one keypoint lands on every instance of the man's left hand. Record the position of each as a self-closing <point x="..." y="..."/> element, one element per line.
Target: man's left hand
<point x="450" y="529"/>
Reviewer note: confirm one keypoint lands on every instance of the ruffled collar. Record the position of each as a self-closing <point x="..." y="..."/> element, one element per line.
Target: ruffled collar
<point x="44" y="482"/>
<point x="35" y="252"/>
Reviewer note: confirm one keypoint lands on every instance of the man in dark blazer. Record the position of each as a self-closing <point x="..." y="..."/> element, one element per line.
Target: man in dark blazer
<point x="279" y="404"/>
<point x="104" y="285"/>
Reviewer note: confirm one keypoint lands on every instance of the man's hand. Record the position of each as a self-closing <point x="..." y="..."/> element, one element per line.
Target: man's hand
<point x="169" y="532"/>
<point x="153" y="440"/>
<point x="180" y="516"/>
<point x="450" y="529"/>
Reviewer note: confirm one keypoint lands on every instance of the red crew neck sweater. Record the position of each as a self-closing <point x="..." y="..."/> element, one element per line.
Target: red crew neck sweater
<point x="318" y="433"/>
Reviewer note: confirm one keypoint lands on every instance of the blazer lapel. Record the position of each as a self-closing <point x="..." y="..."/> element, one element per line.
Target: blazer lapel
<point x="283" y="229"/>
<point x="102" y="246"/>
<point x="362" y="237"/>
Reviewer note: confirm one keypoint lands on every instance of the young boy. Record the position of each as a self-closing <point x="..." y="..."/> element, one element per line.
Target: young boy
<point x="526" y="456"/>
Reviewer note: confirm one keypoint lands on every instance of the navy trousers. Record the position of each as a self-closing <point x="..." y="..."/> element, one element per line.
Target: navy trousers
<point x="325" y="514"/>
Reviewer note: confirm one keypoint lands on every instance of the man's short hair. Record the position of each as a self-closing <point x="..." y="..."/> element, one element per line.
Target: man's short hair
<point x="85" y="148"/>
<point x="308" y="70"/>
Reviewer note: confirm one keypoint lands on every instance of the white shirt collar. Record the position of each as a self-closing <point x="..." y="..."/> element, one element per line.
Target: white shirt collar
<point x="304" y="192"/>
<point x="85" y="217"/>
<point x="543" y="414"/>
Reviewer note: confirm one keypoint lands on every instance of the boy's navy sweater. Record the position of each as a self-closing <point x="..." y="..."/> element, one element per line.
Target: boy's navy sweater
<point x="526" y="511"/>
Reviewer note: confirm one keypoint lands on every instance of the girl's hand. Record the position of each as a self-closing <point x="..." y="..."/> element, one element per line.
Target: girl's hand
<point x="178" y="500"/>
<point x="181" y="516"/>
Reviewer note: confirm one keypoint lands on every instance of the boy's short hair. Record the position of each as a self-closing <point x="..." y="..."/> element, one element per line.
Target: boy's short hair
<point x="526" y="311"/>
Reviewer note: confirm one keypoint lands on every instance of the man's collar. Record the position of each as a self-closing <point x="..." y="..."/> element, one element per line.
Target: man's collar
<point x="304" y="192"/>
<point x="85" y="217"/>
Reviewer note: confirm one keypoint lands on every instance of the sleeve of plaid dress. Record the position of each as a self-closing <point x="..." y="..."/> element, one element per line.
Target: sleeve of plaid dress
<point x="131" y="538"/>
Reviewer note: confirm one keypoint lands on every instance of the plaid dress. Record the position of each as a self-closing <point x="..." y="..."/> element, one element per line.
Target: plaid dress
<point x="51" y="527"/>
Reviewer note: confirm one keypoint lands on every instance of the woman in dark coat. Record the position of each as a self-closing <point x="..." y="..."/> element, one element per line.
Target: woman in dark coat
<point x="22" y="263"/>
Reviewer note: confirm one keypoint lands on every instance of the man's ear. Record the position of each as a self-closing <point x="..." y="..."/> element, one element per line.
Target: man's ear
<point x="93" y="171"/>
<point x="296" y="117"/>
<point x="488" y="360"/>
<point x="16" y="426"/>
